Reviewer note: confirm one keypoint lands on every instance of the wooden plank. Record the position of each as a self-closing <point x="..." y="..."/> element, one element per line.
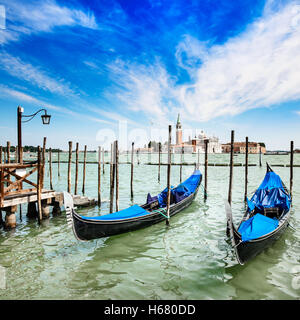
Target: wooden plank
<point x="17" y="166"/>
<point x="21" y="179"/>
<point x="28" y="198"/>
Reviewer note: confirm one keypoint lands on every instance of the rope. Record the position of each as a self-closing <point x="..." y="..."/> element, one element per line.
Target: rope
<point x="161" y="212"/>
<point x="203" y="189"/>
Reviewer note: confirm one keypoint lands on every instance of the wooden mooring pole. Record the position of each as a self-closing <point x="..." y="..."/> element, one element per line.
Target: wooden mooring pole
<point x="205" y="168"/>
<point x="259" y="155"/>
<point x="159" y="153"/>
<point x="99" y="176"/>
<point x="246" y="170"/>
<point x="131" y="176"/>
<point x="58" y="173"/>
<point x="231" y="167"/>
<point x="8" y="157"/>
<point x="43" y="160"/>
<point x="181" y="160"/>
<point x="103" y="160"/>
<point x="50" y="168"/>
<point x="69" y="166"/>
<point x="112" y="178"/>
<point x="291" y="168"/>
<point x="169" y="176"/>
<point x="39" y="184"/>
<point x="83" y="173"/>
<point x="117" y="175"/>
<point x="76" y="168"/>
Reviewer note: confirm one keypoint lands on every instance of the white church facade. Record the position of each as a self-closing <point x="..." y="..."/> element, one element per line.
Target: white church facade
<point x="196" y="144"/>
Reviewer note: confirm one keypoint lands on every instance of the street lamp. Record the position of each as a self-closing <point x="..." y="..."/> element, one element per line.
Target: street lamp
<point x="45" y="119"/>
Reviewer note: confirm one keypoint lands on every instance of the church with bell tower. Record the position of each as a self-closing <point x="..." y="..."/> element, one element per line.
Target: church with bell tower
<point x="196" y="144"/>
<point x="178" y="131"/>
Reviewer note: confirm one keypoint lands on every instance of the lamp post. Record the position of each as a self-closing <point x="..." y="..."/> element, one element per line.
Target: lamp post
<point x="45" y="119"/>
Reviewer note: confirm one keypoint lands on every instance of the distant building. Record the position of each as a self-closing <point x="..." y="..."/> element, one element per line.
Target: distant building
<point x="196" y="144"/>
<point x="240" y="147"/>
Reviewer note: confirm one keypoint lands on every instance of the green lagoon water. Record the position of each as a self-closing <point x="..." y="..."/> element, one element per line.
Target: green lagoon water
<point x="190" y="259"/>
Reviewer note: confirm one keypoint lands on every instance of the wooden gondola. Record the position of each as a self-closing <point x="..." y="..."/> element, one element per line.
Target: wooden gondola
<point x="265" y="220"/>
<point x="134" y="217"/>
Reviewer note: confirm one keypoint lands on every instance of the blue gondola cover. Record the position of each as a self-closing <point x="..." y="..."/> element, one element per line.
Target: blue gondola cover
<point x="181" y="192"/>
<point x="257" y="226"/>
<point x="270" y="194"/>
<point x="131" y="212"/>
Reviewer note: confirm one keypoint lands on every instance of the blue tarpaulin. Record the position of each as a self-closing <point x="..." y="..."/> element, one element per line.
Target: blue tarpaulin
<point x="257" y="226"/>
<point x="131" y="212"/>
<point x="181" y="192"/>
<point x="270" y="194"/>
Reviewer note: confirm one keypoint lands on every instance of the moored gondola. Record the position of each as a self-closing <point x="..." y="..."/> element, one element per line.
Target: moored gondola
<point x="134" y="217"/>
<point x="266" y="218"/>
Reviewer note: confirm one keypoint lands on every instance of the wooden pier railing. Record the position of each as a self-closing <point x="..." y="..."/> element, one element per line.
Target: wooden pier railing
<point x="12" y="177"/>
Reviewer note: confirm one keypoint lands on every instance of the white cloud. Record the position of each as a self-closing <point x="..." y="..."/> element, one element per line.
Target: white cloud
<point x="25" y="71"/>
<point x="32" y="17"/>
<point x="258" y="68"/>
<point x="143" y="89"/>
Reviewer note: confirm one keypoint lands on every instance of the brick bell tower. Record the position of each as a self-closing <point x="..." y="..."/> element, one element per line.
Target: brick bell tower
<point x="178" y="132"/>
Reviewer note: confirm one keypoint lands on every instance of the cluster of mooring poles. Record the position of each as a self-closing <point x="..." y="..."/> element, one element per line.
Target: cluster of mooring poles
<point x="41" y="199"/>
<point x="231" y="165"/>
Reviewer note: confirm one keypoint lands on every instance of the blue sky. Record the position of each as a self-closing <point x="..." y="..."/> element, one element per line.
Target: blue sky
<point x="98" y="66"/>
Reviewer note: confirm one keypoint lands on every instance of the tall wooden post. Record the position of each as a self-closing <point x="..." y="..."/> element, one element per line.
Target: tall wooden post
<point x="103" y="161"/>
<point x="69" y="166"/>
<point x="99" y="176"/>
<point x="117" y="174"/>
<point x="169" y="175"/>
<point x="181" y="161"/>
<point x="259" y="155"/>
<point x="112" y="180"/>
<point x="291" y="167"/>
<point x="39" y="184"/>
<point x="8" y="156"/>
<point x="50" y="168"/>
<point x="0" y="154"/>
<point x="58" y="162"/>
<point x="231" y="167"/>
<point x="76" y="167"/>
<point x="159" y="152"/>
<point x="205" y="168"/>
<point x="43" y="160"/>
<point x="83" y="173"/>
<point x="131" y="176"/>
<point x="246" y="169"/>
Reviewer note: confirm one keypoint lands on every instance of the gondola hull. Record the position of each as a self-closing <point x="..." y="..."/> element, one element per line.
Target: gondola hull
<point x="246" y="247"/>
<point x="93" y="229"/>
<point x="246" y="251"/>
